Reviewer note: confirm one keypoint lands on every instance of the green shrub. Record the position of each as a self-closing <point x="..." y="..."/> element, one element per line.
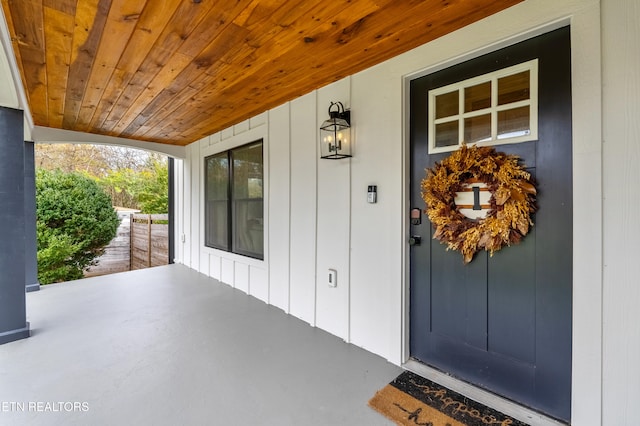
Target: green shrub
<point x="75" y="221"/>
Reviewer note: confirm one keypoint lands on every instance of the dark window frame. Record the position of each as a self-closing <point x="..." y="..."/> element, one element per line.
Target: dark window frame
<point x="232" y="220"/>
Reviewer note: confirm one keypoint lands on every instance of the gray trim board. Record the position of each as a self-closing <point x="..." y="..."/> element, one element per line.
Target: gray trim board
<point x="30" y="244"/>
<point x="13" y="315"/>
<point x="11" y="335"/>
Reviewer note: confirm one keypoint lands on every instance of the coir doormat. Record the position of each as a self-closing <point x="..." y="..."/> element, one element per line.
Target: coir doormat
<point x="414" y="400"/>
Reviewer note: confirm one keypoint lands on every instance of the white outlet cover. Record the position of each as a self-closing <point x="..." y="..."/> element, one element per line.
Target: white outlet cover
<point x="333" y="278"/>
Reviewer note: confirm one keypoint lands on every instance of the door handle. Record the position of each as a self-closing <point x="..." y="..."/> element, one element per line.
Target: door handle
<point x="415" y="240"/>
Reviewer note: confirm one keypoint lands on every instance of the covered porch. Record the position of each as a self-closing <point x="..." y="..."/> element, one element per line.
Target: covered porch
<point x="169" y="345"/>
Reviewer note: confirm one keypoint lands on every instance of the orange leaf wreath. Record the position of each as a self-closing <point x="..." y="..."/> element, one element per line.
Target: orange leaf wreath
<point x="513" y="195"/>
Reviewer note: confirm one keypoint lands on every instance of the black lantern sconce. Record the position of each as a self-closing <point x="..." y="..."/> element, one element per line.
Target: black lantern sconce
<point x="335" y="133"/>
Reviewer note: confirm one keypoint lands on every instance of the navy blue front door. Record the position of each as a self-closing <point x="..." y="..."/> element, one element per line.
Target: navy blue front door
<point x="504" y="322"/>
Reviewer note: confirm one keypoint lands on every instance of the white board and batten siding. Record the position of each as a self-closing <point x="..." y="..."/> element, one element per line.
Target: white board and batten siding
<point x="302" y="215"/>
<point x="317" y="217"/>
<point x="621" y="188"/>
<point x="279" y="205"/>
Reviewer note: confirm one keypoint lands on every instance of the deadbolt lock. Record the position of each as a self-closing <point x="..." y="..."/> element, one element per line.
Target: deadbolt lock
<point x="415" y="240"/>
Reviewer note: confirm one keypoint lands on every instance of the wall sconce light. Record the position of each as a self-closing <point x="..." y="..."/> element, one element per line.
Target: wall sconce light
<point x="335" y="133"/>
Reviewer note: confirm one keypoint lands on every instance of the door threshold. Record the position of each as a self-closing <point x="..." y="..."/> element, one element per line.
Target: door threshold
<point x="487" y="398"/>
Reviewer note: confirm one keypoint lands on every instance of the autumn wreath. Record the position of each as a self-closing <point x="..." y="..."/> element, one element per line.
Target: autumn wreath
<point x="511" y="204"/>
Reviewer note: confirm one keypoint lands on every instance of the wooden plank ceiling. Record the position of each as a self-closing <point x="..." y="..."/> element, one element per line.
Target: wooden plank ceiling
<point x="174" y="71"/>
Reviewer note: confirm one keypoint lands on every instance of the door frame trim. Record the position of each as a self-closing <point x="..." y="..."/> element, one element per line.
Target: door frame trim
<point x="406" y="151"/>
<point x="508" y="407"/>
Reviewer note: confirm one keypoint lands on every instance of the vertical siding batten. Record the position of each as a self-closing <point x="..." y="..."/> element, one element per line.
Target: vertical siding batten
<point x="303" y="205"/>
<point x="241" y="276"/>
<point x="587" y="391"/>
<point x="279" y="206"/>
<point x="259" y="283"/>
<point x="188" y="206"/>
<point x="215" y="267"/>
<point x="353" y="141"/>
<point x="621" y="156"/>
<point x="204" y="259"/>
<point x="227" y="272"/>
<point x="196" y="170"/>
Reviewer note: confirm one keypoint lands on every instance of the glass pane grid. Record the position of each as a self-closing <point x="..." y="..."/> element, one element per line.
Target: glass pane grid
<point x="499" y="108"/>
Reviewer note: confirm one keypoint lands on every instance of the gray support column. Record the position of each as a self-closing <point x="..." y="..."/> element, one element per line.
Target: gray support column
<point x="13" y="313"/>
<point x="31" y="244"/>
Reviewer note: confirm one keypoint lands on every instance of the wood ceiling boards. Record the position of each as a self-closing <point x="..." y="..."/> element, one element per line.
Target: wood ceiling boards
<point x="174" y="71"/>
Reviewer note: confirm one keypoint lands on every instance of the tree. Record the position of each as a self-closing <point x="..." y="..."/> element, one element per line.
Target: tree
<point x="145" y="189"/>
<point x="151" y="186"/>
<point x="93" y="160"/>
<point x="133" y="178"/>
<point x="75" y="221"/>
<point x="120" y="185"/>
<point x="70" y="158"/>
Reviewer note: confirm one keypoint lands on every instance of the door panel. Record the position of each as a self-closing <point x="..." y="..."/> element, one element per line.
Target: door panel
<point x="512" y="296"/>
<point x="450" y="281"/>
<point x="503" y="322"/>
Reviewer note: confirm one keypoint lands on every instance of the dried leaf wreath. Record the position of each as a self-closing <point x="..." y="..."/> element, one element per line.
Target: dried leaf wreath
<point x="512" y="200"/>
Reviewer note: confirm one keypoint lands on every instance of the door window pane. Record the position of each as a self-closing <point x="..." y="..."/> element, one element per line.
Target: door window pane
<point x="447" y="134"/>
<point x="477" y="97"/>
<point x="477" y="129"/>
<point x="513" y="123"/>
<point x="447" y="104"/>
<point x="513" y="88"/>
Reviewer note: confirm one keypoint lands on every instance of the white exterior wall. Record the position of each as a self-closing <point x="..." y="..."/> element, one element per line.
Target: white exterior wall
<point x="621" y="147"/>
<point x="317" y="216"/>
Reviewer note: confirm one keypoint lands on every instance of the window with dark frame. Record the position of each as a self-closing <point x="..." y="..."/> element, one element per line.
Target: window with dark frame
<point x="234" y="203"/>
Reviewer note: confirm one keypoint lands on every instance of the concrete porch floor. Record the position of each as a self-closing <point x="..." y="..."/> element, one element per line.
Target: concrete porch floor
<point x="169" y="346"/>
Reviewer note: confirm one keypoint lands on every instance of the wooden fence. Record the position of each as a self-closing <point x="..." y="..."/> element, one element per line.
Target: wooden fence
<point x="116" y="257"/>
<point x="149" y="240"/>
<point x="142" y="241"/>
